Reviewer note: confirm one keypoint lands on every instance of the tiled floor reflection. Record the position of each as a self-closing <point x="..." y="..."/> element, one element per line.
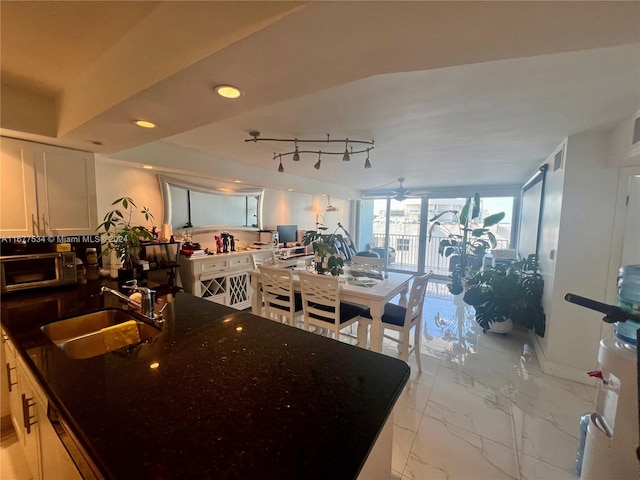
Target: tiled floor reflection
<point x="481" y="408"/>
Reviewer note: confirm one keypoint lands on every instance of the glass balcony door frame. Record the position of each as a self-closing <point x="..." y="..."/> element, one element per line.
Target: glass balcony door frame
<point x="513" y="191"/>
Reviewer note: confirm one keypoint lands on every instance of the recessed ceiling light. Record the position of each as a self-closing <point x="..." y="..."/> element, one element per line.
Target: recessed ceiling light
<point x="147" y="167"/>
<point x="237" y="181"/>
<point x="289" y="189"/>
<point x="228" y="91"/>
<point x="145" y="124"/>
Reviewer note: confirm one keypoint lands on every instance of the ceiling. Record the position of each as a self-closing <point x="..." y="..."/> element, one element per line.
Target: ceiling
<point x="453" y="93"/>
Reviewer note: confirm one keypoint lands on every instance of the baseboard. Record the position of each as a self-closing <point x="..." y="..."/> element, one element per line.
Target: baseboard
<point x="557" y="369"/>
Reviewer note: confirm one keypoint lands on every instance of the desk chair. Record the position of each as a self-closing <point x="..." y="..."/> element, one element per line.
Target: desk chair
<point x="280" y="300"/>
<point x="403" y="319"/>
<point x="322" y="306"/>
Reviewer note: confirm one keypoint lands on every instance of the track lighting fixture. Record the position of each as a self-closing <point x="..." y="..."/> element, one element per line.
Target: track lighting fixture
<point x="362" y="146"/>
<point x="296" y="154"/>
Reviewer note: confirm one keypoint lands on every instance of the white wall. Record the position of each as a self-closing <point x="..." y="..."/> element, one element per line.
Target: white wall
<point x="621" y="151"/>
<point x="579" y="224"/>
<point x="116" y="179"/>
<point x="549" y="236"/>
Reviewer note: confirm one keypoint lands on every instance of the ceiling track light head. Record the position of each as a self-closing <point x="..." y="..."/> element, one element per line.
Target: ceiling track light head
<point x="255" y="134"/>
<point x="296" y="154"/>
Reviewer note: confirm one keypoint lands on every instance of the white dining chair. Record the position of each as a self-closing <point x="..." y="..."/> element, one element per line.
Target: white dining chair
<point x="403" y="319"/>
<point x="263" y="257"/>
<point x="322" y="306"/>
<point x="281" y="302"/>
<point x="367" y="265"/>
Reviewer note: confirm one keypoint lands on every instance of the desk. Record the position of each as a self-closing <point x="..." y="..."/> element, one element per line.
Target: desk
<point x="374" y="296"/>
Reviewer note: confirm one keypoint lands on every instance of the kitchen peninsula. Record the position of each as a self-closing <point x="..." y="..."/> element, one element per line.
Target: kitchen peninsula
<point x="218" y="393"/>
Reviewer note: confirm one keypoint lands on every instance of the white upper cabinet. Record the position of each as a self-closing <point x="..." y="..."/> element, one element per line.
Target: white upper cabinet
<point x="18" y="209"/>
<point x="46" y="190"/>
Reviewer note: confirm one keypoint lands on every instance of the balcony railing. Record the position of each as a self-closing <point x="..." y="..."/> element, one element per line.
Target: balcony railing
<point x="406" y="252"/>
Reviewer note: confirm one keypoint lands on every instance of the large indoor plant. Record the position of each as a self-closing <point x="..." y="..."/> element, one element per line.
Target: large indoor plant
<point x="325" y="251"/>
<point x="467" y="240"/>
<point x="121" y="235"/>
<point x="510" y="291"/>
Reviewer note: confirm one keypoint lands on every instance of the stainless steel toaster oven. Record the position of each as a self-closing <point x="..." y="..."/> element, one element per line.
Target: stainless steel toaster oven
<point x="22" y="272"/>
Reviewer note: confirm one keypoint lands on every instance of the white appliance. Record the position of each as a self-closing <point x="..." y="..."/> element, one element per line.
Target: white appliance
<point x="612" y="433"/>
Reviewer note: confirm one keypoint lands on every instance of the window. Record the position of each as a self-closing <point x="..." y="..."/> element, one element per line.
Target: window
<point x="403" y="244"/>
<point x="198" y="203"/>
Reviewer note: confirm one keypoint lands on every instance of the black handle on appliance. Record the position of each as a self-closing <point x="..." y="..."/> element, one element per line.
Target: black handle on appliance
<point x="612" y="313"/>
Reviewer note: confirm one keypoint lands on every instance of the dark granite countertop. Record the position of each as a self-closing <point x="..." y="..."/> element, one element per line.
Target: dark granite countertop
<point x="233" y="396"/>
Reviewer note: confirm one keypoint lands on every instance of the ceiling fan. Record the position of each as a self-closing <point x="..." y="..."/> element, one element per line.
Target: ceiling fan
<point x="401" y="193"/>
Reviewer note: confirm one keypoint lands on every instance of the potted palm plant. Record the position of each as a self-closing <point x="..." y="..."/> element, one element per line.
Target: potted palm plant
<point x="123" y="237"/>
<point x="467" y="240"/>
<point x="508" y="292"/>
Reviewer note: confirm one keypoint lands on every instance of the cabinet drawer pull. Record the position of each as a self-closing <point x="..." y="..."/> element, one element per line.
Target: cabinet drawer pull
<point x="9" y="368"/>
<point x="26" y="418"/>
<point x="5" y="337"/>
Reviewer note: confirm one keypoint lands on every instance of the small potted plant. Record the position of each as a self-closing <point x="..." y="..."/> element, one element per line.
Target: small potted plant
<point x="123" y="237"/>
<point x="508" y="292"/>
<point x="326" y="256"/>
<point x="468" y="243"/>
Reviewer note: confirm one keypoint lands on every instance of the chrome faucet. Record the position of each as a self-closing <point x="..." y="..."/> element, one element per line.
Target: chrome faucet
<point x="147" y="304"/>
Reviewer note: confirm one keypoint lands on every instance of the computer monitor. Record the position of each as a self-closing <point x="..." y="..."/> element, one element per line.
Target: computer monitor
<point x="287" y="234"/>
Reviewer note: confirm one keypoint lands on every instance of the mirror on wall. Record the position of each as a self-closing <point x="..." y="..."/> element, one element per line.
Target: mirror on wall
<point x="201" y="203"/>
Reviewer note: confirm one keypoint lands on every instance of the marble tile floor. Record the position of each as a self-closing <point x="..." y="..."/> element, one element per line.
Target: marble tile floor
<point x="480" y="410"/>
<point x="13" y="465"/>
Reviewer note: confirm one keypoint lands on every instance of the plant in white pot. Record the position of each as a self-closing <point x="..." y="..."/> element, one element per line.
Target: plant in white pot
<point x="123" y="237"/>
<point x="508" y="292"/>
<point x="468" y="239"/>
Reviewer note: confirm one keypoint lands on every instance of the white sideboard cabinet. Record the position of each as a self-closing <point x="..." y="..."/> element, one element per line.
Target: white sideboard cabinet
<point x="46" y="190"/>
<point x="221" y="278"/>
<point x="224" y="277"/>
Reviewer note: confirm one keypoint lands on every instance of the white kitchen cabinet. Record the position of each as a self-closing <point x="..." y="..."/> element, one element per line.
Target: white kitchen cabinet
<point x="30" y="418"/>
<point x="46" y="190"/>
<point x="51" y="457"/>
<point x="45" y="454"/>
<point x="11" y="371"/>
<point x="221" y="279"/>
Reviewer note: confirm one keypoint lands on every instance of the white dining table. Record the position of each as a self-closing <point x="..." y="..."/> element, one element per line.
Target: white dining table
<point x="365" y="291"/>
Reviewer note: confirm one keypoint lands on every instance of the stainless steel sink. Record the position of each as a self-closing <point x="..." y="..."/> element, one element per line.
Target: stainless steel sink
<point x="82" y="336"/>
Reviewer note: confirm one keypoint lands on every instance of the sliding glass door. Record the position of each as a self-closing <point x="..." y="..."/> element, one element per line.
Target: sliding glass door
<point x="398" y="230"/>
<point x="448" y="224"/>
